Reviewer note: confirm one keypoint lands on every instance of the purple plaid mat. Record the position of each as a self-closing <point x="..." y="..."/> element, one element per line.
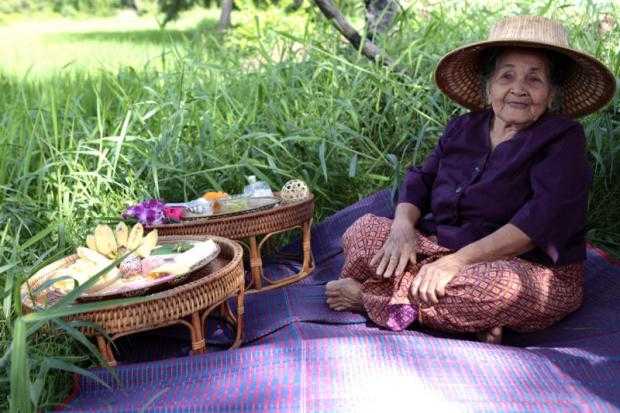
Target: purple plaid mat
<point x="299" y="356"/>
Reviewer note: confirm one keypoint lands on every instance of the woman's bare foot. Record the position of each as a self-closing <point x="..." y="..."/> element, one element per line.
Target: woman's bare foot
<point x="344" y="294"/>
<point x="492" y="336"/>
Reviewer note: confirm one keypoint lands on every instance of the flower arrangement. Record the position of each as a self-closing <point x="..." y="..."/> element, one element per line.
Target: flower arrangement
<point x="153" y="212"/>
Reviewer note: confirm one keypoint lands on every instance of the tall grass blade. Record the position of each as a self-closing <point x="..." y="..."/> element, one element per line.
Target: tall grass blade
<point x="20" y="380"/>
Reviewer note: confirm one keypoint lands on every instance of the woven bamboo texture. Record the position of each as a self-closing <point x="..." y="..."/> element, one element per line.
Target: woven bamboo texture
<point x="588" y="86"/>
<point x="189" y="303"/>
<point x="242" y="226"/>
<point x="207" y="289"/>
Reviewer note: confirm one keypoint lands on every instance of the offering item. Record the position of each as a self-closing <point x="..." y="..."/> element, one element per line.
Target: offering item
<point x="294" y="190"/>
<point x="166" y="263"/>
<point x="149" y="212"/>
<point x="214" y="196"/>
<point x="232" y="205"/>
<point x="103" y="247"/>
<point x="256" y="188"/>
<point x="145" y="263"/>
<point x="216" y="199"/>
<point x="208" y="204"/>
<point x="122" y="241"/>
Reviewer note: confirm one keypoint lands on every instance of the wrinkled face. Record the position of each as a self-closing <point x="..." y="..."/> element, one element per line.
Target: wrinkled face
<point x="519" y="89"/>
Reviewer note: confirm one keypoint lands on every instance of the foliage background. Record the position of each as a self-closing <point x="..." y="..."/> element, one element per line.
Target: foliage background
<point x="100" y="113"/>
<point x="60" y="6"/>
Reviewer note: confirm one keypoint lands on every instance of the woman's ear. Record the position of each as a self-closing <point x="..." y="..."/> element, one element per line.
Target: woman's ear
<point x="551" y="100"/>
<point x="487" y="92"/>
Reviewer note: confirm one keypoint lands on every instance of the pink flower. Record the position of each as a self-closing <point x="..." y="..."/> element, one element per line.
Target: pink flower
<point x="173" y="213"/>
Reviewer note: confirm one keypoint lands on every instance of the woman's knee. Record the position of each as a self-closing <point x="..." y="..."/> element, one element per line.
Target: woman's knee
<point x="366" y="222"/>
<point x="366" y="228"/>
<point x="477" y="297"/>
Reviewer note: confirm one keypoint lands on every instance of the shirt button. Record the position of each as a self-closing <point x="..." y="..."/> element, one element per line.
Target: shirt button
<point x="458" y="190"/>
<point x="477" y="169"/>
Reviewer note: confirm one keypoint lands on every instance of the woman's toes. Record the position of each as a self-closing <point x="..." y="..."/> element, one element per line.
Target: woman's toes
<point x="496" y="335"/>
<point x="492" y="336"/>
<point x="344" y="294"/>
<point x="352" y="290"/>
<point x="332" y="284"/>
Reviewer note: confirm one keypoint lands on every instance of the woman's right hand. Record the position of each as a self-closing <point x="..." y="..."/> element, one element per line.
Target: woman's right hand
<point x="398" y="250"/>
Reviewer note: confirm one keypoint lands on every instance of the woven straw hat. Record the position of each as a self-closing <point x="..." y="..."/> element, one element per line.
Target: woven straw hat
<point x="587" y="87"/>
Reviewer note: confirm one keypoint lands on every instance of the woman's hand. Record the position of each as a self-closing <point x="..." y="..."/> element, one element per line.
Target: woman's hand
<point x="432" y="279"/>
<point x="397" y="251"/>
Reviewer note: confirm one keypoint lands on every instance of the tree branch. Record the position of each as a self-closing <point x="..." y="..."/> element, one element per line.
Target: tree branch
<point x="368" y="49"/>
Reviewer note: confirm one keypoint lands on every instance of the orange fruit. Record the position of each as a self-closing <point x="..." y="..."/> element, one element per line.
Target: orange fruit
<point x="214" y="196"/>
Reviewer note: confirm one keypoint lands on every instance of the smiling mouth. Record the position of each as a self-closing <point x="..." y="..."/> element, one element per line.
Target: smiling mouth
<point x="517" y="105"/>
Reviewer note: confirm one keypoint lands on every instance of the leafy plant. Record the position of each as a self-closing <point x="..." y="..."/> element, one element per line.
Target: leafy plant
<point x="28" y="370"/>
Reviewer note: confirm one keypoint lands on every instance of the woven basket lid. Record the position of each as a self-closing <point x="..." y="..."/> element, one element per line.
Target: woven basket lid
<point x="588" y="87"/>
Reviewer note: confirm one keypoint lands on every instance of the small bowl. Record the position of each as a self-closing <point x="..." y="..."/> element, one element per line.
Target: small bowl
<point x="201" y="206"/>
<point x="197" y="206"/>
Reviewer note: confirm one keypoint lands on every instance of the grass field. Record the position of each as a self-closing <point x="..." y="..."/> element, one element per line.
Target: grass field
<point x="38" y="49"/>
<point x="99" y="113"/>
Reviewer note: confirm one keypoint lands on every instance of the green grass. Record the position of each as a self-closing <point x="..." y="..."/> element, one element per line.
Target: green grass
<point x="97" y="114"/>
<point x="58" y="46"/>
<point x="39" y="49"/>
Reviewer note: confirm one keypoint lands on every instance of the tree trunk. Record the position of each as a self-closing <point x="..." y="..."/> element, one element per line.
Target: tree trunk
<point x="227" y="6"/>
<point x="380" y="15"/>
<point x="368" y="48"/>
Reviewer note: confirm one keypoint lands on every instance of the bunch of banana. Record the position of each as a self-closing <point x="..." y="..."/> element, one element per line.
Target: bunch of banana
<point x="118" y="242"/>
<point x="104" y="246"/>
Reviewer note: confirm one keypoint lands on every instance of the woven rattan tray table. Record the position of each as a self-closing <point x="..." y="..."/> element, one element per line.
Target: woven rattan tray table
<point x="187" y="303"/>
<point x="249" y="227"/>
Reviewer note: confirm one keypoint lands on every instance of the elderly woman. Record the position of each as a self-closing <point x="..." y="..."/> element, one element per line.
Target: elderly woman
<point x="489" y="232"/>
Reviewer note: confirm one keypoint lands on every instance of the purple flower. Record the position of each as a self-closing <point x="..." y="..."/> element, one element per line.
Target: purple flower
<point x="153" y="203"/>
<point x="149" y="212"/>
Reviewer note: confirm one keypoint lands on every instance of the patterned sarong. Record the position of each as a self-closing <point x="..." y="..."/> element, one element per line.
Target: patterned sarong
<point x="515" y="293"/>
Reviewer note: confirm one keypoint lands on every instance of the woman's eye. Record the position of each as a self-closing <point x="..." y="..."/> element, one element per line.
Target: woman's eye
<point x="535" y="80"/>
<point x="506" y="76"/>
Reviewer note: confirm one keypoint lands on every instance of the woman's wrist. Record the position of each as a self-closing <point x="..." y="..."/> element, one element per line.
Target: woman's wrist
<point x="467" y="255"/>
<point x="406" y="214"/>
<point x="505" y="243"/>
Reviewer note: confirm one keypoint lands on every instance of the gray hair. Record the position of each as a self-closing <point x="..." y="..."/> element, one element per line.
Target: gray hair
<point x="558" y="65"/>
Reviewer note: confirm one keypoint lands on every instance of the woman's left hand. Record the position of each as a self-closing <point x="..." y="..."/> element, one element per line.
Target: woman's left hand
<point x="432" y="279"/>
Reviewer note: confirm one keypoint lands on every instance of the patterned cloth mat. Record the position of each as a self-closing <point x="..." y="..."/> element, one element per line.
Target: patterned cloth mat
<point x="300" y="356"/>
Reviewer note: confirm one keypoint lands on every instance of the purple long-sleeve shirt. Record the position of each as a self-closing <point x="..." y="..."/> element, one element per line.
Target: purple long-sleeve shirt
<point x="538" y="181"/>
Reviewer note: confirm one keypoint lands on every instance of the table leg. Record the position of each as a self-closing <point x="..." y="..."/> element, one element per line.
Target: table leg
<point x="106" y="351"/>
<point x="256" y="264"/>
<point x="307" y="265"/>
<point x="197" y="331"/>
<point x="240" y="312"/>
<point x="227" y="313"/>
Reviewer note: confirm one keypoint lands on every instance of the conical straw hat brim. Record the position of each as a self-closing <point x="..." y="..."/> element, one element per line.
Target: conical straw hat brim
<point x="589" y="87"/>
